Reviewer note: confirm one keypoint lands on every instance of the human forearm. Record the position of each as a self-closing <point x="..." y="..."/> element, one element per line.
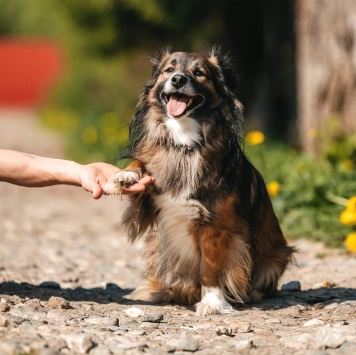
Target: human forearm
<point x="31" y="171"/>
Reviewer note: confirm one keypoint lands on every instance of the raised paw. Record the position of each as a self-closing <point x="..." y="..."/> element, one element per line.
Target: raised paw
<point x="126" y="178"/>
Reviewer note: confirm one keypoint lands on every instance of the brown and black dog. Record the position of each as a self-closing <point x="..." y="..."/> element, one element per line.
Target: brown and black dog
<point x="208" y="222"/>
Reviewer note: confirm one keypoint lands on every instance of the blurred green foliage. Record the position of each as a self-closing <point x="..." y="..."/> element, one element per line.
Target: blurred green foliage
<point x="312" y="193"/>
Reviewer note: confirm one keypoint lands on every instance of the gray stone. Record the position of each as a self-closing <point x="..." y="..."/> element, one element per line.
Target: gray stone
<point x="79" y="342"/>
<point x="328" y="337"/>
<point x="152" y="318"/>
<point x="187" y="342"/>
<point x="292" y="286"/>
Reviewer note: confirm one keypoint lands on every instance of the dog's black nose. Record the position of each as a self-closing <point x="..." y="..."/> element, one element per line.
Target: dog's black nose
<point x="178" y="80"/>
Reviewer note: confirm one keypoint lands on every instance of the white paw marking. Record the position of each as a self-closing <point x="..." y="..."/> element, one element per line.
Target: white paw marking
<point x="213" y="302"/>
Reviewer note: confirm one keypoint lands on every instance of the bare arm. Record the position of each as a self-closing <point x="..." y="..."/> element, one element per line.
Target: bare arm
<point x="34" y="171"/>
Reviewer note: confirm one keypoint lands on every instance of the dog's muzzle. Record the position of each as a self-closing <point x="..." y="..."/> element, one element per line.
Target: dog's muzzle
<point x="178" y="95"/>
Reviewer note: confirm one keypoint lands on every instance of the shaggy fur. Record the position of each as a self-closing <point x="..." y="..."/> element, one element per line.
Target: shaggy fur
<point x="208" y="223"/>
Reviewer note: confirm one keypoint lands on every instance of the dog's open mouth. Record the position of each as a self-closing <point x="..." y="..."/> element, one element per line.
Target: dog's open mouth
<point x="179" y="104"/>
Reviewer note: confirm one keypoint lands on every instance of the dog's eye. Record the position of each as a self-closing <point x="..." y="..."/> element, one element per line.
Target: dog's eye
<point x="169" y="70"/>
<point x="198" y="73"/>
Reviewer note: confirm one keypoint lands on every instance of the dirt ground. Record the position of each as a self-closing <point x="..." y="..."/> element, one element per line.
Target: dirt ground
<point x="66" y="266"/>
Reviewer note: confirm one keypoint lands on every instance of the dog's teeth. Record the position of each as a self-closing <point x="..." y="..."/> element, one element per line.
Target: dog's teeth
<point x="190" y="102"/>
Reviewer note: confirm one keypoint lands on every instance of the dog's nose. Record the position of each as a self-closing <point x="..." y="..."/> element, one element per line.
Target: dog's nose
<point x="178" y="80"/>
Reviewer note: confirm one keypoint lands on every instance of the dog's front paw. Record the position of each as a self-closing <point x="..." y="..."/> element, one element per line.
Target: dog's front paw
<point x="213" y="302"/>
<point x="125" y="178"/>
<point x="205" y="308"/>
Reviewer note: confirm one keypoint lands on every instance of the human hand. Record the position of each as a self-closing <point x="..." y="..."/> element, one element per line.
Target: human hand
<point x="95" y="178"/>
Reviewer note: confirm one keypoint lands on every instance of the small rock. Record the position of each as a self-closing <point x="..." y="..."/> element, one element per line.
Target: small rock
<point x="4" y="307"/>
<point x="292" y="286"/>
<point x="34" y="303"/>
<point x="243" y="344"/>
<point x="80" y="343"/>
<point x="222" y="330"/>
<point x="152" y="318"/>
<point x="103" y="321"/>
<point x="50" y="284"/>
<point x="328" y="337"/>
<point x="240" y="326"/>
<point x="187" y="342"/>
<point x="313" y="322"/>
<point x="58" y="303"/>
<point x="134" y="312"/>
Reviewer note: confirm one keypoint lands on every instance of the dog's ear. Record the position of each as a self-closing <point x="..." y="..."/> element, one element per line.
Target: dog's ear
<point x="156" y="60"/>
<point x="223" y="63"/>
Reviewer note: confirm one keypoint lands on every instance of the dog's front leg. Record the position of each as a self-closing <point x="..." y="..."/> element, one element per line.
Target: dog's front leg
<point x="128" y="176"/>
<point x="213" y="248"/>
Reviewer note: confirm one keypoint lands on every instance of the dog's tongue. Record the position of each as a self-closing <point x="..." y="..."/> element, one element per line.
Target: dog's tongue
<point x="177" y="105"/>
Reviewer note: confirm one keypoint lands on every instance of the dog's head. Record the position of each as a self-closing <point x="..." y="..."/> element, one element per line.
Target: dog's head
<point x="188" y="95"/>
<point x="189" y="84"/>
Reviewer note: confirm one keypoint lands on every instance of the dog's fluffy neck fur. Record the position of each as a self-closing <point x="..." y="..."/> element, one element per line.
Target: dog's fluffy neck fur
<point x="181" y="163"/>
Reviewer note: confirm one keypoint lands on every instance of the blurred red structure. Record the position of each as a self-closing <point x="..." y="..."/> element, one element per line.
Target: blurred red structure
<point x="27" y="71"/>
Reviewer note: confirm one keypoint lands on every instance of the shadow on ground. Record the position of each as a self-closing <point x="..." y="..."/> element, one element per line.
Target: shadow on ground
<point x="113" y="293"/>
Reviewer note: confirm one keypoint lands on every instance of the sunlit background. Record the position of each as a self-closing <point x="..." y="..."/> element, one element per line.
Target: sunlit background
<point x="80" y="66"/>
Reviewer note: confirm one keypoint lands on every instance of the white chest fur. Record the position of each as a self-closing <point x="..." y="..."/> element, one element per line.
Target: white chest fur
<point x="177" y="244"/>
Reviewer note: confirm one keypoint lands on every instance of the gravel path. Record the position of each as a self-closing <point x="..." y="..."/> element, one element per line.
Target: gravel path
<point x="65" y="267"/>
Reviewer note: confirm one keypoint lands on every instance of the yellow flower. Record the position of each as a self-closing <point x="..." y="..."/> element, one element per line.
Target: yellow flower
<point x="351" y="204"/>
<point x="273" y="188"/>
<point x="350" y="242"/>
<point x="348" y="217"/>
<point x="89" y="135"/>
<point x="255" y="138"/>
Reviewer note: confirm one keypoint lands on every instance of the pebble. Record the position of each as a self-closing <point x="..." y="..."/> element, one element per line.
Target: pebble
<point x="222" y="330"/>
<point x="134" y="312"/>
<point x="103" y="321"/>
<point x="58" y="303"/>
<point x="329" y="337"/>
<point x="79" y="342"/>
<point x="313" y="322"/>
<point x="187" y="342"/>
<point x="292" y="286"/>
<point x="152" y="318"/>
<point x="240" y="326"/>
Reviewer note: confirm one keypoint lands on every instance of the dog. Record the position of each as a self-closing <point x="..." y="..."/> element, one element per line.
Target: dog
<point x="210" y="231"/>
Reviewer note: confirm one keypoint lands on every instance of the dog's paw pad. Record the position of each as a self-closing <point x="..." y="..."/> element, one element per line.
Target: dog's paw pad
<point x="125" y="178"/>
